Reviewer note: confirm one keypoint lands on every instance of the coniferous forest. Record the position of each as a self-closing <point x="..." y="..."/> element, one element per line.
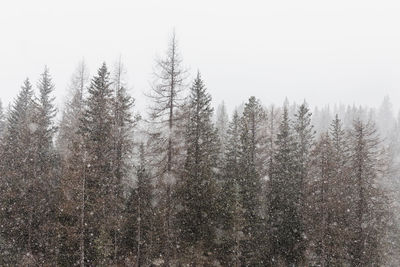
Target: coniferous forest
<point x="98" y="183"/>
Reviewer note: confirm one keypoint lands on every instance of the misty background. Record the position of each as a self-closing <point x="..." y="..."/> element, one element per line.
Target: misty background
<point x="327" y="53"/>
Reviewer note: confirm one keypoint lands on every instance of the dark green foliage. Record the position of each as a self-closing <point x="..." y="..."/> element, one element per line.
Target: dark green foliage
<point x="95" y="129"/>
<point x="249" y="180"/>
<point x="197" y="186"/>
<point x="231" y="216"/>
<point x="17" y="174"/>
<point x="285" y="218"/>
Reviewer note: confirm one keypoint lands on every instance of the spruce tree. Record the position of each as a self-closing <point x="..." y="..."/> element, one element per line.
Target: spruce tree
<point x="285" y="219"/>
<point x="95" y="128"/>
<point x="319" y="205"/>
<point x="304" y="135"/>
<point x="341" y="190"/>
<point x="304" y="142"/>
<point x="45" y="171"/>
<point x="197" y="186"/>
<point x="250" y="178"/>
<point x="229" y="201"/>
<point x="138" y="226"/>
<point x="368" y="201"/>
<point x="18" y="179"/>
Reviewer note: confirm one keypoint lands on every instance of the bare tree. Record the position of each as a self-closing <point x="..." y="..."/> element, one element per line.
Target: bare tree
<point x="166" y="97"/>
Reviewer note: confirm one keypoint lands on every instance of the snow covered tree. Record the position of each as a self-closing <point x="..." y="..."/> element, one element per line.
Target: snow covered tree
<point x="197" y="186"/>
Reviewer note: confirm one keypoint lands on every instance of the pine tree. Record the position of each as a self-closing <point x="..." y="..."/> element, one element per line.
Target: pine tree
<point x="304" y="141"/>
<point x="47" y="112"/>
<point x="18" y="179"/>
<point x="341" y="191"/>
<point x="197" y="187"/>
<point x="250" y="178"/>
<point x="319" y="202"/>
<point x="273" y="116"/>
<point x="368" y="201"/>
<point x="138" y="226"/>
<point x="95" y="128"/>
<point x="285" y="219"/>
<point x="45" y="172"/>
<point x="229" y="201"/>
<point x="304" y="135"/>
<point x="222" y="125"/>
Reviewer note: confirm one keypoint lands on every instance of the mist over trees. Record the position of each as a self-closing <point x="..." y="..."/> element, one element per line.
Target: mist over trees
<point x="182" y="185"/>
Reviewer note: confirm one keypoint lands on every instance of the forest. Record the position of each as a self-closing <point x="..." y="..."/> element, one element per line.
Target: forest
<point x="98" y="183"/>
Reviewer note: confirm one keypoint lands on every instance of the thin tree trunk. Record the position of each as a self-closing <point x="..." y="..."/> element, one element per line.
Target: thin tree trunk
<point x="82" y="241"/>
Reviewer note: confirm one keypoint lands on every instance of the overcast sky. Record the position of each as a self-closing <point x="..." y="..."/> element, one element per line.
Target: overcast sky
<point x="322" y="51"/>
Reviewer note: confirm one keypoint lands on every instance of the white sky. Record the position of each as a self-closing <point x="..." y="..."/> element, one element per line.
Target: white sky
<point x="324" y="51"/>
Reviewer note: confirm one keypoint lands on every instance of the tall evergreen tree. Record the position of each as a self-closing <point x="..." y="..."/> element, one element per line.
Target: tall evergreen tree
<point x="198" y="186"/>
<point x="367" y="202"/>
<point x="95" y="128"/>
<point x="304" y="135"/>
<point x="319" y="203"/>
<point x="18" y="179"/>
<point x="250" y="178"/>
<point x="230" y="201"/>
<point x="45" y="172"/>
<point x="341" y="192"/>
<point x="304" y="142"/>
<point x="284" y="214"/>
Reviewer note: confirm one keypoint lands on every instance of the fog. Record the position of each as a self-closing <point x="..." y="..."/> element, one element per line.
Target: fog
<point x="182" y="133"/>
<point x="340" y="52"/>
